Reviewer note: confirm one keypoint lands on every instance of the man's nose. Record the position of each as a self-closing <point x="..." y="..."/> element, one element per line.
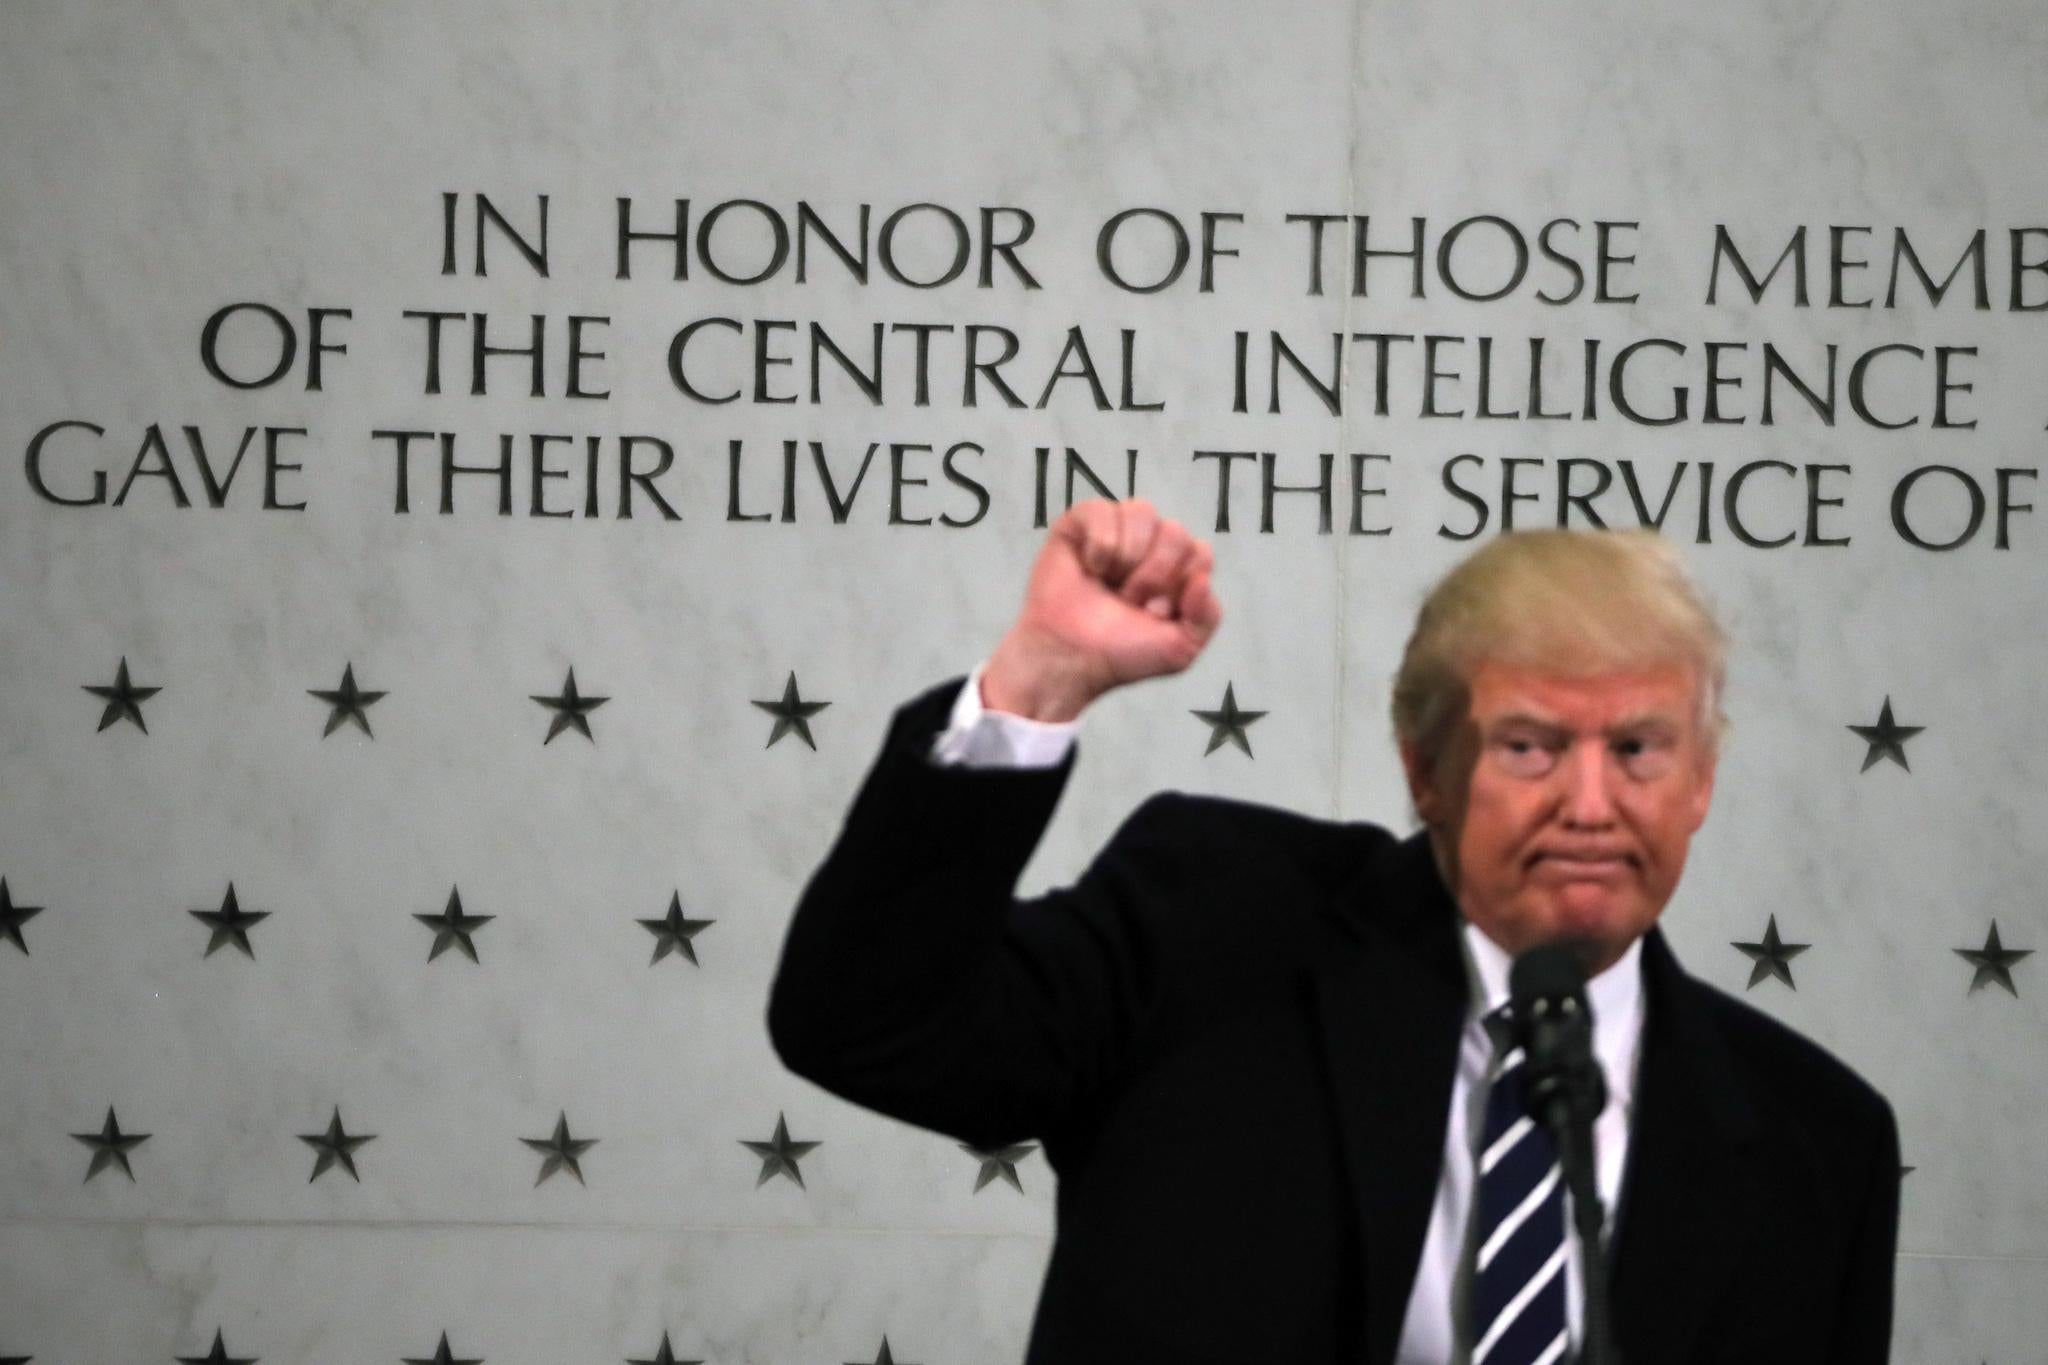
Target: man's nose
<point x="1589" y="786"/>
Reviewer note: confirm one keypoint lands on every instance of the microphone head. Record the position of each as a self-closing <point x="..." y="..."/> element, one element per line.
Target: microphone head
<point x="1553" y="1021"/>
<point x="1548" y="971"/>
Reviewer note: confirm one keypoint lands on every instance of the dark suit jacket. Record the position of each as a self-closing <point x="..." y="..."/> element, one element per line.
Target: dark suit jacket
<point x="1235" y="1038"/>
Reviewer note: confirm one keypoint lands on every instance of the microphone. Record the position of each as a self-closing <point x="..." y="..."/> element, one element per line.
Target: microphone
<point x="1561" y="1077"/>
<point x="1554" y="1025"/>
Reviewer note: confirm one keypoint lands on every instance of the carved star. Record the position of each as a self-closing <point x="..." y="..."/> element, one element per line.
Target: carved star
<point x="1000" y="1161"/>
<point x="673" y="933"/>
<point x="1905" y="1171"/>
<point x="335" y="1146"/>
<point x="12" y="917"/>
<point x="562" y="1150"/>
<point x="1993" y="962"/>
<point x="664" y="1356"/>
<point x="452" y="926"/>
<point x="110" y="1146"/>
<point x="792" y="712"/>
<point x="1228" y="723"/>
<point x="883" y="1359"/>
<point x="570" y="708"/>
<point x="348" y="701"/>
<point x="230" y="924"/>
<point x="779" y="1155"/>
<point x="1887" y="738"/>
<point x="124" y="699"/>
<point x="218" y="1355"/>
<point x="441" y="1356"/>
<point x="1773" y="957"/>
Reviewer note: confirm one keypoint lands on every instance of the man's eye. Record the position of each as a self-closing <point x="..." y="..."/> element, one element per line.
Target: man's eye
<point x="1522" y="757"/>
<point x="1644" y="761"/>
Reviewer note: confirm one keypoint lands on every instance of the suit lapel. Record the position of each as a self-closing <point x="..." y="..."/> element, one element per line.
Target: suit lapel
<point x="1690" y="1194"/>
<point x="1391" y="1013"/>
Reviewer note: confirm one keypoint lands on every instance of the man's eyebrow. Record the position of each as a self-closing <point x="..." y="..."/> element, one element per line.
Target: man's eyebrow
<point x="1512" y="718"/>
<point x="1636" y="720"/>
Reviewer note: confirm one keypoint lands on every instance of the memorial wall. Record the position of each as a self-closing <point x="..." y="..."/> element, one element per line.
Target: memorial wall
<point x="479" y="479"/>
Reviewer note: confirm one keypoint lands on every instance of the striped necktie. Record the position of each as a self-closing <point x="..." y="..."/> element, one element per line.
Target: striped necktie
<point x="1518" y="1268"/>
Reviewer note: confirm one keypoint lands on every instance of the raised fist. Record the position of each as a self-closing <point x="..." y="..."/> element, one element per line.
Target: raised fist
<point x="1118" y="594"/>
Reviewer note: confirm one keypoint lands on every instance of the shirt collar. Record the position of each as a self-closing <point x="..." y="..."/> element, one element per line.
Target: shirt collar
<point x="1615" y="997"/>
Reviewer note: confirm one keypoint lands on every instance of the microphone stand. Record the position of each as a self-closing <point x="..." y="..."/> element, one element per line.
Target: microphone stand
<point x="1567" y="1096"/>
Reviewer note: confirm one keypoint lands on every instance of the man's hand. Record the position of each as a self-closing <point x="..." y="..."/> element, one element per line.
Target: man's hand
<point x="1118" y="594"/>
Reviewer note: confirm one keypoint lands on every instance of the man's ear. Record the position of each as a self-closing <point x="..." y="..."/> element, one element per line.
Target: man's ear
<point x="1423" y="788"/>
<point x="1703" y="792"/>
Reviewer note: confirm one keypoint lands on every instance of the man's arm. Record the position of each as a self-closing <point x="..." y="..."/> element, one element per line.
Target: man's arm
<point x="911" y="979"/>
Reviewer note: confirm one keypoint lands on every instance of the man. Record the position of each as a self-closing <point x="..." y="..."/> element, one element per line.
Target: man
<point x="1265" y="1053"/>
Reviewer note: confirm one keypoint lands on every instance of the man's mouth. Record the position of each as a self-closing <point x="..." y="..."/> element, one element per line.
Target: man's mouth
<point x="1583" y="862"/>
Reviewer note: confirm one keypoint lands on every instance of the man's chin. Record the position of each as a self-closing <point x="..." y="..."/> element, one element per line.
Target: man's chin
<point x="1587" y="912"/>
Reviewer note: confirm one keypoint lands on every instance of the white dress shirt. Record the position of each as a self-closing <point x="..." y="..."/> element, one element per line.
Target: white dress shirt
<point x="979" y="738"/>
<point x="1433" y="1331"/>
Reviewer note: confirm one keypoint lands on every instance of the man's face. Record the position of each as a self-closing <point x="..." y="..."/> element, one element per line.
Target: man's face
<point x="1566" y="804"/>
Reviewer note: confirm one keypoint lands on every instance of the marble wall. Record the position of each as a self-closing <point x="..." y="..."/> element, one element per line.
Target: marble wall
<point x="628" y="865"/>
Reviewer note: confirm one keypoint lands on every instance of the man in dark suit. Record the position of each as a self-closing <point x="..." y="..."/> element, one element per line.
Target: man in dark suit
<point x="1267" y="1055"/>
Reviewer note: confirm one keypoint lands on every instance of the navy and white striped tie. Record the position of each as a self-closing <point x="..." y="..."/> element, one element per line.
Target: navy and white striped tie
<point x="1518" y="1271"/>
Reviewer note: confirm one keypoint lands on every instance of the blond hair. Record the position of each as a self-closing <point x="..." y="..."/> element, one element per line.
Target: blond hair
<point x="1572" y="602"/>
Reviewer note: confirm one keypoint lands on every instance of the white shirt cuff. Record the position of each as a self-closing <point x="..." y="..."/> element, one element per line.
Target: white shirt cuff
<point x="977" y="737"/>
